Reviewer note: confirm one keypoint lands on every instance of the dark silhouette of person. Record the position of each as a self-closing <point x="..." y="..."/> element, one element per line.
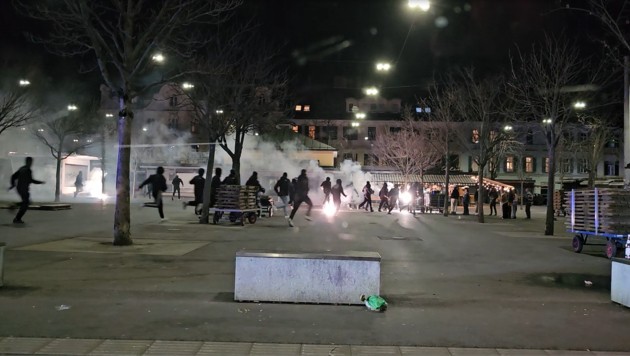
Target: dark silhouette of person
<point x="493" y="195"/>
<point x="326" y="187"/>
<point x="198" y="182"/>
<point x="231" y="179"/>
<point x="367" y="197"/>
<point x="292" y="191"/>
<point x="22" y="179"/>
<point x="158" y="187"/>
<point x="176" y="184"/>
<point x="215" y="183"/>
<point x="253" y="182"/>
<point x="283" y="189"/>
<point x="337" y="191"/>
<point x="529" y="200"/>
<point x="78" y="184"/>
<point x="384" y="197"/>
<point x="466" y="201"/>
<point x="393" y="198"/>
<point x="301" y="196"/>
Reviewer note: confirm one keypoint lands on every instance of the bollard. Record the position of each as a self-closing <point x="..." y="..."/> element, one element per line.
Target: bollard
<point x="2" y="245"/>
<point x="627" y="248"/>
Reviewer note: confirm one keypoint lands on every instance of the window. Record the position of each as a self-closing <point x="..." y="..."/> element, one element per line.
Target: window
<point x="529" y="137"/>
<point x="395" y="108"/>
<point x="509" y="164"/>
<point x="298" y="108"/>
<point x="295" y="128"/>
<point x="347" y="156"/>
<point x="613" y="143"/>
<point x="611" y="168"/>
<point x="546" y="165"/>
<point x="350" y="107"/>
<point x="311" y="132"/>
<point x="193" y="125"/>
<point x="394" y="129"/>
<point x="475" y="136"/>
<point x="381" y="107"/>
<point x="472" y="165"/>
<point x="332" y="132"/>
<point x="307" y="108"/>
<point x="373" y="107"/>
<point x="173" y="123"/>
<point x="582" y="165"/>
<point x="371" y="133"/>
<point x="350" y="133"/>
<point x="367" y="161"/>
<point x="529" y="164"/>
<point x="566" y="165"/>
<point x="172" y="101"/>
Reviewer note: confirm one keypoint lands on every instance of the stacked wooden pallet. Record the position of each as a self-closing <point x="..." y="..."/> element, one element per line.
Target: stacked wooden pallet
<point x="237" y="197"/>
<point x="559" y="199"/>
<point x="602" y="211"/>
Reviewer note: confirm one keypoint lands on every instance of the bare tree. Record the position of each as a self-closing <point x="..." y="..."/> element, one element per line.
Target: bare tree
<point x="594" y="133"/>
<point x="482" y="106"/>
<point x="544" y="85"/>
<point x="408" y="150"/>
<point x="124" y="36"/>
<point x="65" y="134"/>
<point x="441" y="129"/>
<point x="15" y="109"/>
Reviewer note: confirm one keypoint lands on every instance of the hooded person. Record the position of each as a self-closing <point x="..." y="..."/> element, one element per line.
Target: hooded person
<point x="301" y="196"/>
<point x="22" y="179"/>
<point x="326" y="187"/>
<point x="283" y="189"/>
<point x="336" y="192"/>
<point x="177" y="183"/>
<point x="231" y="179"/>
<point x="198" y="182"/>
<point x="367" y="197"/>
<point x="382" y="194"/>
<point x="158" y="187"/>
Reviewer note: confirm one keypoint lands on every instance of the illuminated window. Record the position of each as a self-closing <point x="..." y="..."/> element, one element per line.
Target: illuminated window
<point x="509" y="164"/>
<point x="311" y="132"/>
<point x="298" y="108"/>
<point x="307" y="108"/>
<point x="295" y="128"/>
<point x="546" y="166"/>
<point x="475" y="136"/>
<point x="332" y="132"/>
<point x="566" y="165"/>
<point x="529" y="164"/>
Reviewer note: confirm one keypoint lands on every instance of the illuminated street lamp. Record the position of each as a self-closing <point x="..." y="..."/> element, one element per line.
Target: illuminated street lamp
<point x="72" y="107"/>
<point x="507" y="128"/>
<point x="547" y="121"/>
<point x="423" y="5"/>
<point x="355" y="124"/>
<point x="187" y="86"/>
<point x="144" y="129"/>
<point x="109" y="115"/>
<point x="219" y="112"/>
<point x="360" y="115"/>
<point x="579" y="105"/>
<point x="383" y="66"/>
<point x="24" y="83"/>
<point x="158" y="58"/>
<point x="372" y="91"/>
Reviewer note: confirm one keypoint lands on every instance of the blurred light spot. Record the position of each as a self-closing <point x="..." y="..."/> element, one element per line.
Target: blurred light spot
<point x="467" y="7"/>
<point x="344" y="224"/>
<point x="373" y="31"/>
<point x="457" y="9"/>
<point x="441" y="22"/>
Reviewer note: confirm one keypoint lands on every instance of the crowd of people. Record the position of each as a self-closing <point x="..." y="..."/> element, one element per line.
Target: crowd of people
<point x="293" y="193"/>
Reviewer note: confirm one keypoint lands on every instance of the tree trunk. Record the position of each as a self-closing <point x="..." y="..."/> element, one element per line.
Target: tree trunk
<point x="103" y="136"/>
<point x="204" y="219"/>
<point x="236" y="165"/>
<point x="550" y="189"/>
<point x="480" y="196"/>
<point x="58" y="176"/>
<point x="122" y="214"/>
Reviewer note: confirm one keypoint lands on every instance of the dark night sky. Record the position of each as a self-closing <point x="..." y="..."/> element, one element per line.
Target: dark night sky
<point x="324" y="39"/>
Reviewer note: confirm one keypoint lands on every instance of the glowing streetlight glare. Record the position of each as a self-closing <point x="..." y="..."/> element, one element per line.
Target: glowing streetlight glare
<point x="423" y="5"/>
<point x="24" y="83"/>
<point x="75" y="140"/>
<point x="359" y="115"/>
<point x="144" y="129"/>
<point x="355" y="124"/>
<point x="547" y="121"/>
<point x="158" y="58"/>
<point x="372" y="91"/>
<point x="579" y="105"/>
<point x="507" y="128"/>
<point x="72" y="107"/>
<point x="187" y="85"/>
<point x="109" y="115"/>
<point x="383" y="66"/>
<point x="219" y="111"/>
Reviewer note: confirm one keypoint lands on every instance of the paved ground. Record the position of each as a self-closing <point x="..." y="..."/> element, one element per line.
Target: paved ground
<point x="450" y="282"/>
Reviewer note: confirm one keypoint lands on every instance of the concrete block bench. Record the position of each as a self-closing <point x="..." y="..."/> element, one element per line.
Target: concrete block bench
<point x="620" y="281"/>
<point x="335" y="278"/>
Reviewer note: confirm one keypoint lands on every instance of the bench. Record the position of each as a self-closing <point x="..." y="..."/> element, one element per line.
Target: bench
<point x="329" y="278"/>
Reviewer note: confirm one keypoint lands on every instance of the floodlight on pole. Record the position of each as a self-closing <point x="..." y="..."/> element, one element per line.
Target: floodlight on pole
<point x="579" y="105"/>
<point x="187" y="86"/>
<point x="109" y="115"/>
<point x="219" y="111"/>
<point x="383" y="66"/>
<point x="371" y="91"/>
<point x="355" y="124"/>
<point x="547" y="121"/>
<point x="24" y="83"/>
<point x="360" y="115"/>
<point x="158" y="58"/>
<point x="72" y="107"/>
<point x="423" y="5"/>
<point x="507" y="128"/>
